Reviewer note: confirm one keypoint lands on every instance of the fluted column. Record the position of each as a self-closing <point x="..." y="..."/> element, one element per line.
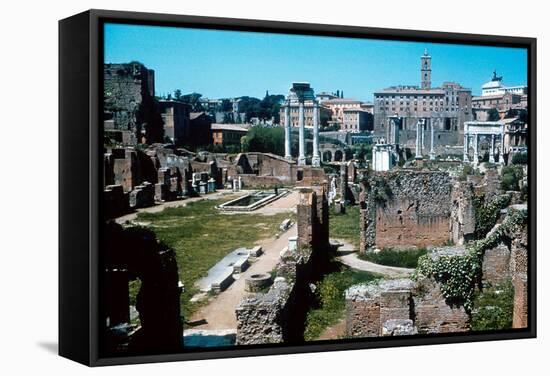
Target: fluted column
<point x="500" y="149"/>
<point x="301" y="135"/>
<point x="288" y="132"/>
<point x="316" y="160"/>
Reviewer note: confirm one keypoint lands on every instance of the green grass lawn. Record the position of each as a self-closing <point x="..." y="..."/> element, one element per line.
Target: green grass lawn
<point x="201" y="236"/>
<point x="392" y="257"/>
<point x="330" y="293"/>
<point x="345" y="226"/>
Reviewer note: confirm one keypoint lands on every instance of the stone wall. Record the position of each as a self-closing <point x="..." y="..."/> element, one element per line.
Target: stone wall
<point x="401" y="307"/>
<point x="412" y="208"/>
<point x="463" y="220"/>
<point x="496" y="264"/>
<point x="370" y="307"/>
<point x="135" y="253"/>
<point x="129" y="104"/>
<point x="279" y="315"/>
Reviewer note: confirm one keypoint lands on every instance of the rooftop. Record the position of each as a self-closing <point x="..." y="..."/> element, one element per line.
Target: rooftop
<point x="228" y="127"/>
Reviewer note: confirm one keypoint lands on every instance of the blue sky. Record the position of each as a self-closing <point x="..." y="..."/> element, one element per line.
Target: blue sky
<point x="221" y="64"/>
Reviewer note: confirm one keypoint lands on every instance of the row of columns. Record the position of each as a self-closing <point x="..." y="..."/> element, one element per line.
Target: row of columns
<point x="420" y="128"/>
<point x="316" y="159"/>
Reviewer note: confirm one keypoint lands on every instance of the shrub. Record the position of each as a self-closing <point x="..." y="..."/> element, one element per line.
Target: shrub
<point x="493" y="308"/>
<point x="391" y="257"/>
<point x="511" y="175"/>
<point x="520" y="158"/>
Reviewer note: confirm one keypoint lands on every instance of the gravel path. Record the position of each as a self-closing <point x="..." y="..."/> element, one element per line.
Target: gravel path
<point x="348" y="256"/>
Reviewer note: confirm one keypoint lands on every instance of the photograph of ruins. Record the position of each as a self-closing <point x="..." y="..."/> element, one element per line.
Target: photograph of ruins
<point x="248" y="201"/>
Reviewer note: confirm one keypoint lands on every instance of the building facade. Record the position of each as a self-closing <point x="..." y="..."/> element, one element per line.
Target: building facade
<point x="175" y="116"/>
<point x="356" y="120"/>
<point x="227" y="134"/>
<point x="446" y="108"/>
<point x="200" y="133"/>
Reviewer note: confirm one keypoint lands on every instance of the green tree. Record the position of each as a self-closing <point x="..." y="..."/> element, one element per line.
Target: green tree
<point x="264" y="139"/>
<point x="492" y="115"/>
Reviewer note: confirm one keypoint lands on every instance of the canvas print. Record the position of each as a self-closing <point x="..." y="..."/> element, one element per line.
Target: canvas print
<point x="269" y="189"/>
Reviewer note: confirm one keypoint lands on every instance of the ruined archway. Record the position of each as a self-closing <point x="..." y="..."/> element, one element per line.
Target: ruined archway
<point x="338" y="156"/>
<point x="327" y="156"/>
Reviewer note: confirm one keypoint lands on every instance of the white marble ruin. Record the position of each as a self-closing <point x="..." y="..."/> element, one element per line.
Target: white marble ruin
<point x="299" y="93"/>
<point x="475" y="131"/>
<point x="382" y="156"/>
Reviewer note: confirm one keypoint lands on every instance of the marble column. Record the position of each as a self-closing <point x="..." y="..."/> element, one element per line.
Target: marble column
<point x="492" y="150"/>
<point x="476" y="155"/>
<point x="432" y="152"/>
<point x="302" y="141"/>
<point x="288" y="133"/>
<point x="500" y="147"/>
<point x="316" y="160"/>
<point x="418" y="141"/>
<point x="466" y="147"/>
<point x="422" y="135"/>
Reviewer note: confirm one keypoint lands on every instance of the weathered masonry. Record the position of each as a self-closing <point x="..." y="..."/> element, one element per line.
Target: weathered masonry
<point x="405" y="208"/>
<point x="279" y="314"/>
<point x="404" y="307"/>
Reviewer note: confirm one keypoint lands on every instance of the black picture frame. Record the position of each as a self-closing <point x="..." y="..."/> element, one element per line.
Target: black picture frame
<point x="80" y="163"/>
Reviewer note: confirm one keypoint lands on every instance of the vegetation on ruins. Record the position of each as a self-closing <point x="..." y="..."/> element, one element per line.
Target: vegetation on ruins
<point x="200" y="236"/>
<point x="511" y="176"/>
<point x="493" y="307"/>
<point x="487" y="213"/>
<point x="330" y="294"/>
<point x="395" y="257"/>
<point x="345" y="226"/>
<point x="459" y="276"/>
<point x="378" y="188"/>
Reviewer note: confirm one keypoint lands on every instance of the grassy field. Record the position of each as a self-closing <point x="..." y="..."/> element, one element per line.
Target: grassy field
<point x="345" y="226"/>
<point x="201" y="236"/>
<point x="330" y="293"/>
<point x="391" y="257"/>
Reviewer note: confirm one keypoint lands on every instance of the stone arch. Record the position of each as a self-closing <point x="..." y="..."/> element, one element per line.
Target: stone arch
<point x="338" y="155"/>
<point x="327" y="156"/>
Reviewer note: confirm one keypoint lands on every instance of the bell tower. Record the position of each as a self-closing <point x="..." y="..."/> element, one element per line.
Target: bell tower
<point x="426" y="70"/>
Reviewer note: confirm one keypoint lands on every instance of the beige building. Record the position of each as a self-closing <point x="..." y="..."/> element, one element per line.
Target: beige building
<point x="446" y="107"/>
<point x="356" y="120"/>
<point x="324" y="114"/>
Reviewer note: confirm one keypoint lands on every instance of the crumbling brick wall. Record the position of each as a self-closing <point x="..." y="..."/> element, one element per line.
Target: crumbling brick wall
<point x="519" y="270"/>
<point x="496" y="264"/>
<point x="412" y="208"/>
<point x="370" y="307"/>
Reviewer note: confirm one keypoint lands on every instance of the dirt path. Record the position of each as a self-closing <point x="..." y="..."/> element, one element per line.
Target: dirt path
<point x="348" y="256"/>
<point x="220" y="312"/>
<point x="335" y="331"/>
